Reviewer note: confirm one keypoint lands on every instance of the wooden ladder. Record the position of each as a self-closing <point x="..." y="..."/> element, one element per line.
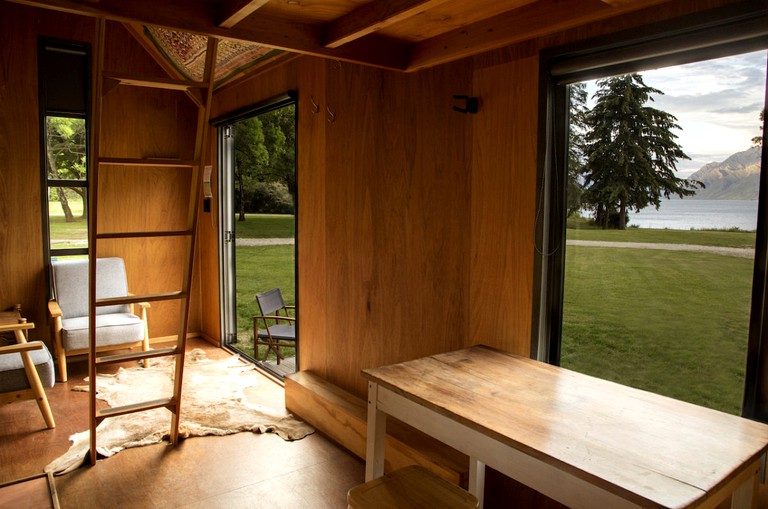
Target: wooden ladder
<point x="99" y="168"/>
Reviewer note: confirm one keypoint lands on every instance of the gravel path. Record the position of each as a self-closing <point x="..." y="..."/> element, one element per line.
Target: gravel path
<point x="264" y="242"/>
<point x="725" y="251"/>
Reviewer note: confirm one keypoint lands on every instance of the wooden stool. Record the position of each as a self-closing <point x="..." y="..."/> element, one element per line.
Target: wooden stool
<point x="410" y="487"/>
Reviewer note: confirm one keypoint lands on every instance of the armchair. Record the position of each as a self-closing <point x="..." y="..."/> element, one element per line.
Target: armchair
<point x="279" y="329"/>
<point x="25" y="368"/>
<point x="116" y="326"/>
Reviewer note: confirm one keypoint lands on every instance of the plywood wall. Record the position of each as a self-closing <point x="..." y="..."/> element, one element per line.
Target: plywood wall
<point x="137" y="123"/>
<point x="386" y="223"/>
<point x="415" y="227"/>
<point x="22" y="275"/>
<point x="416" y="223"/>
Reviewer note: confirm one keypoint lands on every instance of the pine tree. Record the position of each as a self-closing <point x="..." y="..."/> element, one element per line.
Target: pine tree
<point x="576" y="130"/>
<point x="631" y="153"/>
<point x="758" y="140"/>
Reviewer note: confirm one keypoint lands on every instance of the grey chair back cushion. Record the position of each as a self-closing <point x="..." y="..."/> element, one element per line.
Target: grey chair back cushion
<point x="270" y="301"/>
<point x="12" y="374"/>
<point x="70" y="280"/>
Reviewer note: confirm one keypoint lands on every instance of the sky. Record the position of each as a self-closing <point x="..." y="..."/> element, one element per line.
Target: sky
<point x="717" y="103"/>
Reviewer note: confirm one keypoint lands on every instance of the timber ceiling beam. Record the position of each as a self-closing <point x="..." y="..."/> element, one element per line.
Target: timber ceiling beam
<point x="233" y="12"/>
<point x="200" y="18"/>
<point x="372" y="17"/>
<point x="537" y="19"/>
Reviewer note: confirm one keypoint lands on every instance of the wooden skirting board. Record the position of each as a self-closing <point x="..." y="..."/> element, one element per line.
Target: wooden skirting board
<point x="342" y="417"/>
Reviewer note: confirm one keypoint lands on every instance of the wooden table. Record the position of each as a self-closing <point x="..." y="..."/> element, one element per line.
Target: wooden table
<point x="582" y="441"/>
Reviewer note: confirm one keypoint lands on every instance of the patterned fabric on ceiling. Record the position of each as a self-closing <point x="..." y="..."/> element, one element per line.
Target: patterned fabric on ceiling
<point x="186" y="52"/>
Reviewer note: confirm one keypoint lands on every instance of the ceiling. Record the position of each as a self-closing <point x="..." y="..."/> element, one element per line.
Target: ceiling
<point x="404" y="35"/>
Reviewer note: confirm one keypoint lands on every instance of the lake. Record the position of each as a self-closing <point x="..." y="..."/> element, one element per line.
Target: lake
<point x="686" y="214"/>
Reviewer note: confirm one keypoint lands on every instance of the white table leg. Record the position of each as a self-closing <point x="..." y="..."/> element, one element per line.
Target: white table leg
<point x="477" y="479"/>
<point x="745" y="496"/>
<point x="374" y="443"/>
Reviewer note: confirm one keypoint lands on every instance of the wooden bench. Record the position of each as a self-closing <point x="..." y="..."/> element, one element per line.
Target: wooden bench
<point x="409" y="487"/>
<point x="342" y="417"/>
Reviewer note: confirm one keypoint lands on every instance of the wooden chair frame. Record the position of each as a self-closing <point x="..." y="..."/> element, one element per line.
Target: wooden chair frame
<point x="35" y="390"/>
<point x="61" y="354"/>
<point x="272" y="343"/>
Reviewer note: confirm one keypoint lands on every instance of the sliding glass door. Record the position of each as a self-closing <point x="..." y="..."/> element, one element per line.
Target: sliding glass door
<point x="258" y="202"/>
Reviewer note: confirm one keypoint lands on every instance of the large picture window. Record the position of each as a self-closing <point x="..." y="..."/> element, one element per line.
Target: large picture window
<point x="653" y="235"/>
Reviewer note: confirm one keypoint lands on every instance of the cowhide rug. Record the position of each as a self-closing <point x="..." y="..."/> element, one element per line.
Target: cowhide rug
<point x="213" y="403"/>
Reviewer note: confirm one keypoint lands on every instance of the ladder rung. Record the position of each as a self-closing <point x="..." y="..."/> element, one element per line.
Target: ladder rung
<point x="133" y="299"/>
<point x="152" y="82"/>
<point x="165" y="162"/>
<point x="128" y="235"/>
<point x="135" y="356"/>
<point x="135" y="407"/>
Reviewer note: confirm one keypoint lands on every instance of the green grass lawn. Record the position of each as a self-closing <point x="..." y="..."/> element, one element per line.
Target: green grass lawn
<point x="266" y="226"/>
<point x="261" y="268"/>
<point x="582" y="229"/>
<point x="64" y="234"/>
<point x="671" y="322"/>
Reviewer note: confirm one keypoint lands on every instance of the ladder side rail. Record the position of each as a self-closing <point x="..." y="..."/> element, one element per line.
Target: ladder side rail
<point x="93" y="191"/>
<point x="201" y="138"/>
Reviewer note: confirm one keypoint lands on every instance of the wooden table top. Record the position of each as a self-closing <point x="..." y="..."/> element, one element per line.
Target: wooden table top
<point x="647" y="448"/>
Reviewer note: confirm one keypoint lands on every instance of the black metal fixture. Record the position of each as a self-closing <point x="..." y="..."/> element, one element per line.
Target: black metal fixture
<point x="471" y="104"/>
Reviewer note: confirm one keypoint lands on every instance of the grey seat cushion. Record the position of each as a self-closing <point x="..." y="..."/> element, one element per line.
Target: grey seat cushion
<point x="286" y="332"/>
<point x="12" y="374"/>
<point x="112" y="329"/>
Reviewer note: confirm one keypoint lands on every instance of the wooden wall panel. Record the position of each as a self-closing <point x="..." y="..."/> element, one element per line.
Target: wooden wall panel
<point x="311" y="227"/>
<point x="503" y="205"/>
<point x="147" y="118"/>
<point x="22" y="273"/>
<point x="206" y="282"/>
<point x="383" y="218"/>
<point x="145" y="123"/>
<point x="397" y="189"/>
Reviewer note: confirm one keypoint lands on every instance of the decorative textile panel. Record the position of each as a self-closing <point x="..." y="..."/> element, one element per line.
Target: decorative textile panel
<point x="186" y="52"/>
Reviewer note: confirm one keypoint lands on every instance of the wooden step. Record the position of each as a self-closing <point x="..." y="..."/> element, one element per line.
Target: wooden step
<point x="142" y="406"/>
<point x="163" y="162"/>
<point x="412" y="486"/>
<point x="130" y="235"/>
<point x="135" y="356"/>
<point x="151" y="82"/>
<point x="343" y="417"/>
<point x="135" y="299"/>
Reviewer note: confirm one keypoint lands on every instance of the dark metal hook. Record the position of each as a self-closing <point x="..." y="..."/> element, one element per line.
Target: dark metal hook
<point x="471" y="104"/>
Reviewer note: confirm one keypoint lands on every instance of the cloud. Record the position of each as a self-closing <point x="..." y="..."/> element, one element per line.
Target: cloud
<point x="717" y="104"/>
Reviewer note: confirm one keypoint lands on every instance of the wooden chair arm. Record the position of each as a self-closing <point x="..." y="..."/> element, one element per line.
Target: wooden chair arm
<point x="54" y="309"/>
<point x="22" y="347"/>
<point x="274" y="317"/>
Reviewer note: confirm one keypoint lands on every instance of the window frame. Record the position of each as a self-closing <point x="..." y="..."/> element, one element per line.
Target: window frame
<point x="708" y="35"/>
<point x="76" y="111"/>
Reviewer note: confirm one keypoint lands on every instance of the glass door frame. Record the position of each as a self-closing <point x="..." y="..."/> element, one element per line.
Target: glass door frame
<point x="225" y="209"/>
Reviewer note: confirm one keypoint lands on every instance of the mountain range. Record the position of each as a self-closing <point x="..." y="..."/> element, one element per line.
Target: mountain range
<point x="736" y="178"/>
